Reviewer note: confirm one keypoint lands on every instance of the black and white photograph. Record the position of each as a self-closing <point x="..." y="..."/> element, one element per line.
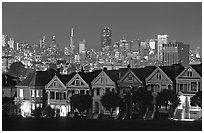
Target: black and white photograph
<point x="101" y="66"/>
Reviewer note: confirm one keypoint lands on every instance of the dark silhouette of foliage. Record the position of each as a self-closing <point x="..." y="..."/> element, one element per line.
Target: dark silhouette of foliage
<point x="197" y="99"/>
<point x="111" y="101"/>
<point x="143" y="99"/>
<point x="81" y="102"/>
<point x="169" y="99"/>
<point x="49" y="112"/>
<point x="17" y="69"/>
<point x="37" y="112"/>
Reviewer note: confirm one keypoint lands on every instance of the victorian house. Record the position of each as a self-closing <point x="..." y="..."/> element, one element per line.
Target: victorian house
<point x="188" y="83"/>
<point x="106" y="81"/>
<point x="30" y="92"/>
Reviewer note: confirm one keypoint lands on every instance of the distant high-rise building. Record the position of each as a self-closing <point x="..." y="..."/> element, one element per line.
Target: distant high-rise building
<point x="106" y="39"/>
<point x="82" y="45"/>
<point x="135" y="45"/>
<point x="5" y="40"/>
<point x="174" y="53"/>
<point x="72" y="41"/>
<point x="53" y="43"/>
<point x="11" y="43"/>
<point x="161" y="39"/>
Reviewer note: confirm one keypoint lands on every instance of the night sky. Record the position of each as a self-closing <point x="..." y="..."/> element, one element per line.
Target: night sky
<point x="30" y="21"/>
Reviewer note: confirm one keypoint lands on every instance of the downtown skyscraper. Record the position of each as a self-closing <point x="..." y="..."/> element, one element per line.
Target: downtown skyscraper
<point x="105" y="39"/>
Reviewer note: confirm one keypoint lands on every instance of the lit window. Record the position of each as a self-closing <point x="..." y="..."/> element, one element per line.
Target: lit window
<point x="21" y="93"/>
<point x="190" y="73"/>
<point x="37" y="93"/>
<point x="32" y="93"/>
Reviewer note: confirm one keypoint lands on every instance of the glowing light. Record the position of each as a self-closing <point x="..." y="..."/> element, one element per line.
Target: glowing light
<point x="26" y="109"/>
<point x="63" y="111"/>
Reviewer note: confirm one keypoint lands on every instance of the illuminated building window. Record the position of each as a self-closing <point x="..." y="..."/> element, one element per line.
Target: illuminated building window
<point x="77" y="82"/>
<point x="21" y="93"/>
<point x="37" y="93"/>
<point x="190" y="73"/>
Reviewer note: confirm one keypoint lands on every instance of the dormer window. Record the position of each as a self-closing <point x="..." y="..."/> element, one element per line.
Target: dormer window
<point x="159" y="76"/>
<point x="130" y="78"/>
<point x="190" y="73"/>
<point x="77" y="82"/>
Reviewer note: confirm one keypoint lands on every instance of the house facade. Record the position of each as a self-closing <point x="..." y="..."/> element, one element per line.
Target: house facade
<point x="106" y="81"/>
<point x="30" y="92"/>
<point x="188" y="83"/>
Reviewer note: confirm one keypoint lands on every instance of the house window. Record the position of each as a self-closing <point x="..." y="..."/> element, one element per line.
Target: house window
<point x="159" y="76"/>
<point x="181" y="87"/>
<point x="97" y="91"/>
<point x="77" y="82"/>
<point x="65" y="95"/>
<point x="199" y="86"/>
<point x="82" y="91"/>
<point x="37" y="93"/>
<point x="193" y="86"/>
<point x="32" y="93"/>
<point x="190" y="73"/>
<point x="21" y="93"/>
<point x="130" y="78"/>
<point x="87" y="92"/>
<point x="169" y="87"/>
<point x="107" y="90"/>
<point x="163" y="86"/>
<point x="57" y="95"/>
<point x="52" y="95"/>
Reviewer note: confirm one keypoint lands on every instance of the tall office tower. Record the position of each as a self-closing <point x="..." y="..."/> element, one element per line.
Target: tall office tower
<point x="4" y="40"/>
<point x="82" y="45"/>
<point x="105" y="39"/>
<point x="72" y="41"/>
<point x="53" y="43"/>
<point x="135" y="45"/>
<point x="11" y="43"/>
<point x="42" y="42"/>
<point x="162" y="39"/>
<point x="174" y="53"/>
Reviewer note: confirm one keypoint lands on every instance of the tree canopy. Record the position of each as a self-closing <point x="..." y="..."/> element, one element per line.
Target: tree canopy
<point x="81" y="102"/>
<point x="143" y="98"/>
<point x="197" y="99"/>
<point x="111" y="101"/>
<point x="17" y="69"/>
<point x="167" y="98"/>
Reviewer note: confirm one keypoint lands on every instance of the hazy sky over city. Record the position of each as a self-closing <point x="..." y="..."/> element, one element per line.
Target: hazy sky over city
<point x="30" y="21"/>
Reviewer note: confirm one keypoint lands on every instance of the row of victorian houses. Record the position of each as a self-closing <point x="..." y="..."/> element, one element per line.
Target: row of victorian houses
<point x="56" y="89"/>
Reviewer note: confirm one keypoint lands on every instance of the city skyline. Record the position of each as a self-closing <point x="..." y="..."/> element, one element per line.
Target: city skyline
<point x="31" y="21"/>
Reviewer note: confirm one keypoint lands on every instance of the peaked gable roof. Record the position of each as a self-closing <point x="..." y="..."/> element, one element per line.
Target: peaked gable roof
<point x="172" y="71"/>
<point x="197" y="68"/>
<point x="113" y="74"/>
<point x="37" y="78"/>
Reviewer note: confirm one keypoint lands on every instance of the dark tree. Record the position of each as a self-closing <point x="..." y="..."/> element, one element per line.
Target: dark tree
<point x="37" y="112"/>
<point x="111" y="101"/>
<point x="197" y="99"/>
<point x="169" y="99"/>
<point x="49" y="112"/>
<point x="81" y="102"/>
<point x="17" y="69"/>
<point x="143" y="99"/>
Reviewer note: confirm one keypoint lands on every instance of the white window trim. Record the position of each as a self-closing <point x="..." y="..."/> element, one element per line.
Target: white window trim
<point x="33" y="93"/>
